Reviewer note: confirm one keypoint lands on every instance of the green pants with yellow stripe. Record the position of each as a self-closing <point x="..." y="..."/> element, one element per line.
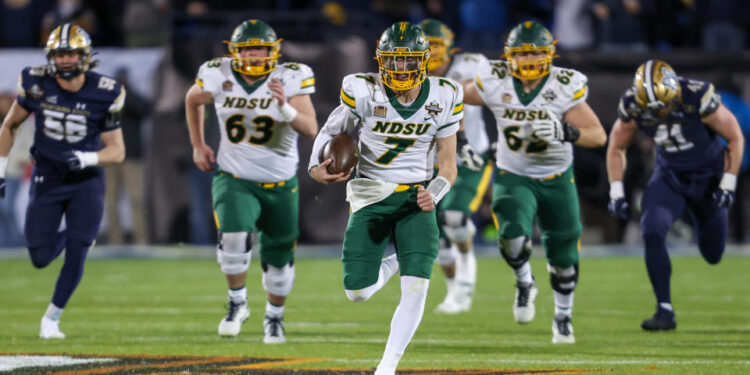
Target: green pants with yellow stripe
<point x="414" y="232"/>
<point x="467" y="192"/>
<point x="517" y="200"/>
<point x="271" y="208"/>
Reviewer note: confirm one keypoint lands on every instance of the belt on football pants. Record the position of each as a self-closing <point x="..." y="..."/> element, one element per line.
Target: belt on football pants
<point x="271" y="185"/>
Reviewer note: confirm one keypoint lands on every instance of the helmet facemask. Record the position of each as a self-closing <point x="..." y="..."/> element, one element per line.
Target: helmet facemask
<point x="530" y="69"/>
<point x="402" y="69"/>
<point x="255" y="66"/>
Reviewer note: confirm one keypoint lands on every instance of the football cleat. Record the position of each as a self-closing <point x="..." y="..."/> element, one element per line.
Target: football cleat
<point x="50" y="329"/>
<point x="523" y="306"/>
<point x="562" y="330"/>
<point x="663" y="320"/>
<point x="456" y="301"/>
<point x="273" y="330"/>
<point x="237" y="313"/>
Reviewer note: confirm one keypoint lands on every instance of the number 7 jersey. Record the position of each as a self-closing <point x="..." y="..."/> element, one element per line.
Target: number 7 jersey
<point x="518" y="151"/>
<point x="256" y="144"/>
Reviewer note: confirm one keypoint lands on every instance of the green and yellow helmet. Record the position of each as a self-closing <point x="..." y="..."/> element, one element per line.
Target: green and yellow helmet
<point x="656" y="86"/>
<point x="403" y="43"/>
<point x="65" y="38"/>
<point x="254" y="33"/>
<point x="530" y="36"/>
<point x="441" y="39"/>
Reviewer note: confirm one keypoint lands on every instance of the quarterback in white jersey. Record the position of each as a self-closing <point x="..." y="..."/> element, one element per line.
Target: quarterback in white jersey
<point x="400" y="116"/>
<point x="261" y="107"/>
<point x="540" y="112"/>
<point x="456" y="248"/>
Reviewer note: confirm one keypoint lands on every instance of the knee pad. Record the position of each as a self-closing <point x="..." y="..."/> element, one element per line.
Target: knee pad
<point x="446" y="255"/>
<point x="457" y="226"/>
<point x="516" y="251"/>
<point x="563" y="280"/>
<point x="233" y="252"/>
<point x="278" y="281"/>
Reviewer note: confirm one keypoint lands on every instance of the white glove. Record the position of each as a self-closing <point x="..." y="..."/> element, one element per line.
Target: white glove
<point x="470" y="158"/>
<point x="548" y="130"/>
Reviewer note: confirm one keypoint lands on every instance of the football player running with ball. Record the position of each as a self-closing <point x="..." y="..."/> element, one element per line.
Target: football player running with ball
<point x="541" y="112"/>
<point x="262" y="107"/>
<point x="456" y="248"/>
<point x="400" y="115"/>
<point x="77" y="121"/>
<point x="694" y="171"/>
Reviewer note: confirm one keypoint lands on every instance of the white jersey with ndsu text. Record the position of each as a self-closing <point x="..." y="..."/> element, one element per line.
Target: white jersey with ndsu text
<point x="256" y="144"/>
<point x="515" y="110"/>
<point x="464" y="67"/>
<point x="395" y="140"/>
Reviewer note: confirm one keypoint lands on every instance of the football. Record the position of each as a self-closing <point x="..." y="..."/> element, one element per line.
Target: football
<point x="344" y="152"/>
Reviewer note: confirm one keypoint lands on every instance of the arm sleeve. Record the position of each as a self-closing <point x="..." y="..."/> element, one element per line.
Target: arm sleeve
<point x="709" y="100"/>
<point x="23" y="101"/>
<point x="307" y="80"/>
<point x="456" y="113"/>
<point x="114" y="113"/>
<point x="577" y="90"/>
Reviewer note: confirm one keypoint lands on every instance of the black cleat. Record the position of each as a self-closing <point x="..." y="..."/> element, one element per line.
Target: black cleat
<point x="663" y="320"/>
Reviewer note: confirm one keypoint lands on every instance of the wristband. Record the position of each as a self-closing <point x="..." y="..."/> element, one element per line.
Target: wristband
<point x="3" y="165"/>
<point x="438" y="188"/>
<point x="288" y="112"/>
<point x="570" y="133"/>
<point x="88" y="159"/>
<point x="616" y="190"/>
<point x="728" y="181"/>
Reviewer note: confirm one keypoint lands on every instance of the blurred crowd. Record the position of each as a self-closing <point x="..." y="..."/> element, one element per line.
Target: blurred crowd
<point x="143" y="187"/>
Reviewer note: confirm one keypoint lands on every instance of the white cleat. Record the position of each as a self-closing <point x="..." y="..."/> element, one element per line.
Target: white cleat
<point x="50" y="329"/>
<point x="457" y="300"/>
<point x="273" y="330"/>
<point x="237" y="313"/>
<point x="523" y="306"/>
<point x="562" y="330"/>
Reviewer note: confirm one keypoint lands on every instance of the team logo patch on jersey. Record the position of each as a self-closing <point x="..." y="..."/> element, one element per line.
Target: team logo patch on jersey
<point x="51" y="99"/>
<point x="35" y="92"/>
<point x="549" y="95"/>
<point x="433" y="108"/>
<point x="227" y="85"/>
<point x="380" y="111"/>
<point x="507" y="98"/>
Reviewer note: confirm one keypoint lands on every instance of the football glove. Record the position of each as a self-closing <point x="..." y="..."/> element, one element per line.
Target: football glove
<point x="78" y="160"/>
<point x="618" y="206"/>
<point x="468" y="156"/>
<point x="724" y="194"/>
<point x="2" y="188"/>
<point x="554" y="130"/>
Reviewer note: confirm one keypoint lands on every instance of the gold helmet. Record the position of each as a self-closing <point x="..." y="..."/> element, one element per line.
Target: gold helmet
<point x="530" y="36"/>
<point x="405" y="42"/>
<point x="656" y="86"/>
<point x="254" y="33"/>
<point x="65" y="38"/>
<point x="441" y="40"/>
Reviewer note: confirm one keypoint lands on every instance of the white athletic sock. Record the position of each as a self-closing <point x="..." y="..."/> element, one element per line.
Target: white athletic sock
<point x="466" y="268"/>
<point x="273" y="310"/>
<point x="406" y="319"/>
<point x="666" y="306"/>
<point x="53" y="312"/>
<point x="238" y="295"/>
<point x="523" y="273"/>
<point x="563" y="303"/>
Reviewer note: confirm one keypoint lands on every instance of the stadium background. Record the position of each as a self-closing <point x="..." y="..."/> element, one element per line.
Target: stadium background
<point x="158" y="45"/>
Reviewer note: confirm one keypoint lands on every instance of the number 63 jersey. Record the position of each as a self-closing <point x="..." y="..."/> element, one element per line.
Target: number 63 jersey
<point x="518" y="151"/>
<point x="256" y="144"/>
<point x="67" y="120"/>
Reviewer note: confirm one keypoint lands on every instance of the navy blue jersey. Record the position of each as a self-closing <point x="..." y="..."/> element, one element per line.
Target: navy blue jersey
<point x="684" y="143"/>
<point x="65" y="120"/>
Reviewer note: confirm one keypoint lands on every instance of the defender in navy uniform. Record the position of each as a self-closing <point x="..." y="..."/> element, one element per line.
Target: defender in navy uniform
<point x="77" y="129"/>
<point x="693" y="171"/>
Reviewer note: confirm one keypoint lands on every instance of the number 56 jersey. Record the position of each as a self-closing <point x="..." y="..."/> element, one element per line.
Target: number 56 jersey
<point x="68" y="121"/>
<point x="256" y="143"/>
<point x="518" y="151"/>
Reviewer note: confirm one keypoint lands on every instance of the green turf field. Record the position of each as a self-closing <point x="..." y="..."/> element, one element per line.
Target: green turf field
<point x="173" y="307"/>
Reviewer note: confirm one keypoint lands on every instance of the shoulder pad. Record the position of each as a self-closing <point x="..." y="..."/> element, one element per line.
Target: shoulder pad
<point x="699" y="94"/>
<point x="298" y="77"/>
<point x="358" y="85"/>
<point x="490" y="75"/>
<point x="465" y="66"/>
<point x="214" y="72"/>
<point x="627" y="109"/>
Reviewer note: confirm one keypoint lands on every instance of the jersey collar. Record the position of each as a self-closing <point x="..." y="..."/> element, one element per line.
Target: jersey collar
<point x="407" y="112"/>
<point x="522" y="95"/>
<point x="248" y="87"/>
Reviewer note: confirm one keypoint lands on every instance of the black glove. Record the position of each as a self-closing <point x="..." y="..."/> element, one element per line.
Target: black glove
<point x="724" y="194"/>
<point x="2" y="188"/>
<point x="619" y="208"/>
<point x="468" y="156"/>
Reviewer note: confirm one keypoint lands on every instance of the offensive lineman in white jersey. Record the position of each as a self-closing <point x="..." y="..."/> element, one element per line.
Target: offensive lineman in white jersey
<point x="261" y="109"/>
<point x="400" y="116"/>
<point x="456" y="248"/>
<point x="541" y="112"/>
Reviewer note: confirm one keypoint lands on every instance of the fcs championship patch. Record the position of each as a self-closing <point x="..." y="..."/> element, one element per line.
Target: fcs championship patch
<point x="227" y="85"/>
<point x="433" y="109"/>
<point x="70" y="364"/>
<point x="380" y="111"/>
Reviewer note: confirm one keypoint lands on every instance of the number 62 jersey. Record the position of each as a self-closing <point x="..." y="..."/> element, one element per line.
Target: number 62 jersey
<point x="256" y="144"/>
<point x="65" y="120"/>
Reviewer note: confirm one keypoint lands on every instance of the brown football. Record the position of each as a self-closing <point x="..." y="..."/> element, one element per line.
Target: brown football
<point x="344" y="152"/>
